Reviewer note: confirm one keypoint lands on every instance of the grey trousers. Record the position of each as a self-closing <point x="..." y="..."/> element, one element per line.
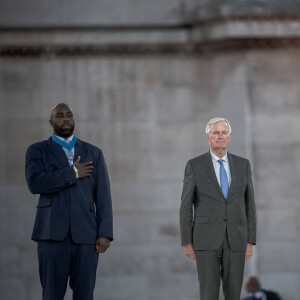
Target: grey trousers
<point x="215" y="265"/>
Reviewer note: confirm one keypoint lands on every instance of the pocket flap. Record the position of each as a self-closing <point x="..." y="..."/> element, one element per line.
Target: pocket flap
<point x="203" y="220"/>
<point x="243" y="221"/>
<point x="92" y="207"/>
<point x="43" y="202"/>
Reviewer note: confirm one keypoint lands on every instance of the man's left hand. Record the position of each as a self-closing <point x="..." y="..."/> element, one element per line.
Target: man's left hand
<point x="249" y="251"/>
<point x="102" y="244"/>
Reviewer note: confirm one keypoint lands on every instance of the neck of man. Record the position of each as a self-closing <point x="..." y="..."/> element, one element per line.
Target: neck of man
<point x="219" y="152"/>
<point x="64" y="137"/>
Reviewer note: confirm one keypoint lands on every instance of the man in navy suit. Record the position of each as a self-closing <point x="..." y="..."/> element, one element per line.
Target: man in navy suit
<point x="74" y="214"/>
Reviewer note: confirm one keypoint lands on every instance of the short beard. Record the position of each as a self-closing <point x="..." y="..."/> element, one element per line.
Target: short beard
<point x="63" y="132"/>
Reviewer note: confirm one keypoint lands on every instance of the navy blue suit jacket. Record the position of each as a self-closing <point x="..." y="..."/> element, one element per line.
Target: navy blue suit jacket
<point x="81" y="205"/>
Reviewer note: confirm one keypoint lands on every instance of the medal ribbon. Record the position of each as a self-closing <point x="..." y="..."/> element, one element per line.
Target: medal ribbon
<point x="64" y="144"/>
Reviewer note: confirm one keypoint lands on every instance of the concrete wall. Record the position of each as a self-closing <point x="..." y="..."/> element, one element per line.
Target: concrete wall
<point x="142" y="87"/>
<point x="275" y="102"/>
<point x="70" y="13"/>
<point x="148" y="114"/>
<point x="133" y="13"/>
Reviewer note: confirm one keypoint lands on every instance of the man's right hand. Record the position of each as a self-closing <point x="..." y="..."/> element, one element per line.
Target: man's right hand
<point x="84" y="169"/>
<point x="189" y="251"/>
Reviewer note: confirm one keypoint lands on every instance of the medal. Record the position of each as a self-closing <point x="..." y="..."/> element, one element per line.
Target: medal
<point x="64" y="144"/>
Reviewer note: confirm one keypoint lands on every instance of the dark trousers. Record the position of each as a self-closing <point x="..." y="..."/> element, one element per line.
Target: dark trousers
<point x="215" y="265"/>
<point x="59" y="261"/>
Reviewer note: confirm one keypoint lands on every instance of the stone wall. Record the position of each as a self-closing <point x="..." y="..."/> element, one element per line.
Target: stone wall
<point x="144" y="95"/>
<point x="148" y="115"/>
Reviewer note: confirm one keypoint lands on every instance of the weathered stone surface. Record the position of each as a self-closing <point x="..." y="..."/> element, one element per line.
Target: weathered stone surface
<point x="148" y="115"/>
<point x="103" y="13"/>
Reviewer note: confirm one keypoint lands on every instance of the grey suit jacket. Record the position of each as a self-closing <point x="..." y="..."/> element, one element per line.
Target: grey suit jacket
<point x="205" y="214"/>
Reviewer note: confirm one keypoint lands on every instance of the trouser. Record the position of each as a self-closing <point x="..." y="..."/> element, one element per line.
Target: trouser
<point x="59" y="261"/>
<point x="215" y="265"/>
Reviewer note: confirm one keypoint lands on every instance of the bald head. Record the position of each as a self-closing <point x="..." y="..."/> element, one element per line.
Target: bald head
<point x="53" y="110"/>
<point x="61" y="119"/>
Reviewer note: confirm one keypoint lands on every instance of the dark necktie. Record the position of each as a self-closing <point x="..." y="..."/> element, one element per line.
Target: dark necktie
<point x="223" y="179"/>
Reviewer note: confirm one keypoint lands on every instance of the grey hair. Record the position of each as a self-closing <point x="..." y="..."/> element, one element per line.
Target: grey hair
<point x="216" y="120"/>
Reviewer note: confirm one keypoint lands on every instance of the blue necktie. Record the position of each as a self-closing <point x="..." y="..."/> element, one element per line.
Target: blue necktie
<point x="223" y="179"/>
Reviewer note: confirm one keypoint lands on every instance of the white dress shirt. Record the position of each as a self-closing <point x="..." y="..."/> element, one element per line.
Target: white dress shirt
<point x="217" y="166"/>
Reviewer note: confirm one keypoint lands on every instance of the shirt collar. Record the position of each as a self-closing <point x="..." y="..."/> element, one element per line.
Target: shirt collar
<point x="216" y="158"/>
<point x="66" y="140"/>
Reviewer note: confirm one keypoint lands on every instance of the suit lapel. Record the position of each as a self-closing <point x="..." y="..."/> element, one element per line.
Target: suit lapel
<point x="58" y="152"/>
<point x="233" y="172"/>
<point x="78" y="150"/>
<point x="211" y="173"/>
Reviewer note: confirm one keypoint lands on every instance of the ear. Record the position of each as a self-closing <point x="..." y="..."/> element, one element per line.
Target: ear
<point x="51" y="123"/>
<point x="207" y="137"/>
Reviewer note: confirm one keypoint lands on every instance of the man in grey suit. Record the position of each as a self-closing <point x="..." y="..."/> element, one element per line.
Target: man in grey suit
<point x="217" y="215"/>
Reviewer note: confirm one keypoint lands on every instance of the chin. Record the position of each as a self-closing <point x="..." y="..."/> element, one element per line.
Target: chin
<point x="66" y="133"/>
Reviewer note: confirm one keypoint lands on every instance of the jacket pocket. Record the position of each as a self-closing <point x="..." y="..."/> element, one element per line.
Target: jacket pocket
<point x="243" y="221"/>
<point x="203" y="220"/>
<point x="44" y="202"/>
<point x="92" y="207"/>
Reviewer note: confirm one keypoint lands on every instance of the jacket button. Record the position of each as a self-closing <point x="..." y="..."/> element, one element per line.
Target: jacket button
<point x="225" y="220"/>
<point x="226" y="203"/>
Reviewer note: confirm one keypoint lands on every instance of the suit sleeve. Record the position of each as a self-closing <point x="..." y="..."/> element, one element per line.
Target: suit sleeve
<point x="186" y="207"/>
<point x="103" y="201"/>
<point x="44" y="181"/>
<point x="250" y="208"/>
